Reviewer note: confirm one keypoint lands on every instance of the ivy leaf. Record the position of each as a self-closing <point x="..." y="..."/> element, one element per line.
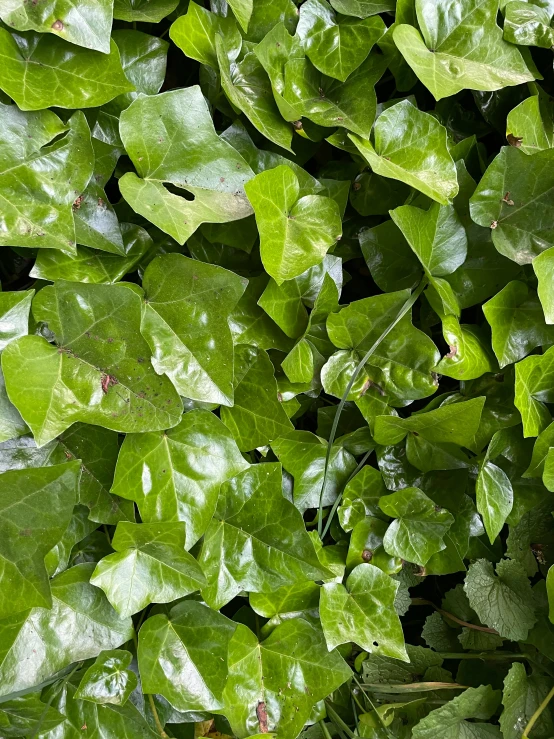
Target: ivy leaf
<point x="24" y="716"/>
<point x="470" y="356"/>
<point x="329" y="102"/>
<point x="532" y="117"/>
<point x="14" y="315"/>
<point x="150" y="565"/>
<point x="495" y="498"/>
<point x="451" y="719"/>
<point x="41" y="70"/>
<point x="451" y="57"/>
<point x="295" y="655"/>
<point x="194" y="33"/>
<point x="184" y="658"/>
<point x="89" y="265"/>
<point x="401" y="365"/>
<point x="252" y="515"/>
<point x="455" y="423"/>
<point x="390" y="259"/>
<point x="528" y="24"/>
<point x="544" y="268"/>
<point x="361" y="497"/>
<point x="90" y="27"/>
<point x="362" y="8"/>
<point x="410" y="146"/>
<point x="176" y="475"/>
<point x="362" y="612"/>
<point x="39" y="642"/>
<point x="35" y="509"/>
<point x="516" y="318"/>
<point x="108" y="680"/>
<point x="184" y="322"/>
<point x="99" y="373"/>
<point x="257" y="417"/>
<point x="145" y="11"/>
<point x="303" y="455"/>
<point x="171" y="138"/>
<point x="35" y="216"/>
<point x="436" y="236"/>
<point x="513" y="190"/>
<point x="295" y="232"/>
<point x="12" y="425"/>
<point x="419" y="527"/>
<point x="533" y="390"/>
<point x="336" y="45"/>
<point x="503" y="601"/>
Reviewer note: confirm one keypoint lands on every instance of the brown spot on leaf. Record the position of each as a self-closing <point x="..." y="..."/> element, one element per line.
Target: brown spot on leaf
<point x="107" y="381"/>
<point x="261" y="713"/>
<point x="514" y="140"/>
<point x="297" y="125"/>
<point x="367" y="555"/>
<point x="356" y="186"/>
<point x="452" y="353"/>
<point x="57" y="25"/>
<point x="506" y="199"/>
<point x="77" y="202"/>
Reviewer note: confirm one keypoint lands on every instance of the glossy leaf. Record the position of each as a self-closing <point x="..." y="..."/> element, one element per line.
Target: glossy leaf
<point x="362" y="611"/>
<point x="176" y="475"/>
<point x="35" y="509"/>
<point x="183" y="321"/>
<point x="398" y="152"/>
<point x="295" y="232"/>
<point x="24" y="715"/>
<point x="146" y="11"/>
<point x="452" y="55"/>
<point x="254" y="523"/>
<point x="451" y="719"/>
<point x="532" y="390"/>
<point x="101" y="372"/>
<point x="150" y="565"/>
<point x="108" y="680"/>
<point x="39" y="642"/>
<point x="192" y="158"/>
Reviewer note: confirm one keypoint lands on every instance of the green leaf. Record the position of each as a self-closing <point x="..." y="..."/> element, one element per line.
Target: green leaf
<point x="419" y="527"/>
<point x="361" y="497"/>
<point x="329" y="102"/>
<point x="521" y="697"/>
<point x="171" y="138"/>
<point x="495" y="498"/>
<point x="242" y="10"/>
<point x="108" y="680"/>
<point x="362" y="612"/>
<point x="544" y="267"/>
<point x="14" y="315"/>
<point x="24" y="715"/>
<point x="150" y="565"/>
<point x="295" y="232"/>
<point x="436" y="236"/>
<point x="528" y="24"/>
<point x="456" y="423"/>
<point x="451" y="55"/>
<point x="176" y="475"/>
<point x="184" y="322"/>
<point x="267" y="682"/>
<point x="303" y="455"/>
<point x="410" y="146"/>
<point x="246" y="84"/>
<point x="41" y="70"/>
<point x="388" y="255"/>
<point x="146" y="11"/>
<point x="335" y="44"/>
<point x="11" y="423"/>
<point x="530" y="123"/>
<point x="100" y="371"/>
<point x="109" y="720"/>
<point x="401" y="365"/>
<point x="35" y="509"/>
<point x="91" y="266"/>
<point x="515" y="189"/>
<point x="35" y="216"/>
<point x="250" y="324"/>
<point x="194" y="33"/>
<point x="184" y="658"/>
<point x="451" y="719"/>
<point x="469" y="355"/>
<point x="503" y="601"/>
<point x="532" y="390"/>
<point x="252" y="515"/>
<point x="362" y="8"/>
<point x="257" y="417"/>
<point x="39" y="642"/>
<point x="517" y="322"/>
<point x="90" y="27"/>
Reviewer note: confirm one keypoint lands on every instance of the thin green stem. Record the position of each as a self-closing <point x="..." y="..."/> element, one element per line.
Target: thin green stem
<point x="157" y="721"/>
<point x="535" y="717"/>
<point x="339" y="496"/>
<point x="405" y="308"/>
<point x="325" y="730"/>
<point x="490" y="656"/>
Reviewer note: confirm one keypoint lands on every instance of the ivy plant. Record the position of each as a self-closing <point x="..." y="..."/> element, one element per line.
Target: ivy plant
<point x="277" y="369"/>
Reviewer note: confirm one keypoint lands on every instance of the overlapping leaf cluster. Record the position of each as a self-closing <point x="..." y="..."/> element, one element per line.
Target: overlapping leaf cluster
<point x="277" y="369"/>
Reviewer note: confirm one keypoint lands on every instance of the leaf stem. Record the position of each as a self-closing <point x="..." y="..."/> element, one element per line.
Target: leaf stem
<point x="475" y="627"/>
<point x="159" y="726"/>
<point x="491" y="656"/>
<point x="535" y="717"/>
<point x="405" y="308"/>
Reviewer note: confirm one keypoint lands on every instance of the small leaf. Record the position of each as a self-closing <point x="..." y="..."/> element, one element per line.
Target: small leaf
<point x="108" y="680"/>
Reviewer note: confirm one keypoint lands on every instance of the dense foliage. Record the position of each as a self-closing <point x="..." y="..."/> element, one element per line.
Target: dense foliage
<point x="277" y="350"/>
